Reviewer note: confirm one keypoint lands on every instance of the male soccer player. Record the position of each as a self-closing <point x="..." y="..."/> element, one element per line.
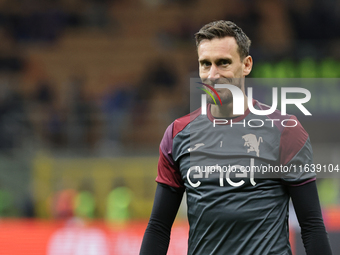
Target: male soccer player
<point x="233" y="211"/>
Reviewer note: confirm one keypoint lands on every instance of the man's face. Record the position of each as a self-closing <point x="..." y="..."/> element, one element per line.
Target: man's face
<point x="220" y="63"/>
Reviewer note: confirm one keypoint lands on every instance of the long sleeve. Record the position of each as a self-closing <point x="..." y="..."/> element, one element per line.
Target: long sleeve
<point x="308" y="211"/>
<point x="157" y="234"/>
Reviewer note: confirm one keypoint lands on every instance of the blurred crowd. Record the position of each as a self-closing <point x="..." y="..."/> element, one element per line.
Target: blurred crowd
<point x="67" y="203"/>
<point x="75" y="120"/>
<point x="280" y="31"/>
<point x="36" y="114"/>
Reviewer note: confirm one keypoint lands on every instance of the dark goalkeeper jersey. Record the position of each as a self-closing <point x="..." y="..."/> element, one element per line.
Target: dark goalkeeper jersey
<point x="235" y="174"/>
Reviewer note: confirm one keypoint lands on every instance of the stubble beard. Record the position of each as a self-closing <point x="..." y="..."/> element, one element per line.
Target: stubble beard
<point x="226" y="96"/>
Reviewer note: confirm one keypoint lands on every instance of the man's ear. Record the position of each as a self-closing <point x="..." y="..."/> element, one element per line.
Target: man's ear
<point x="247" y="65"/>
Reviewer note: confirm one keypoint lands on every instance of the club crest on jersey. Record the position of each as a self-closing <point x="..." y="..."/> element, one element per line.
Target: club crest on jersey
<point x="252" y="143"/>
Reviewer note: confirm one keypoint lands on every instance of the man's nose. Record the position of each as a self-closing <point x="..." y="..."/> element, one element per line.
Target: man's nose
<point x="213" y="73"/>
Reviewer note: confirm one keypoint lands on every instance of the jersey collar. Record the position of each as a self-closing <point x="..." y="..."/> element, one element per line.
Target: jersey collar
<point x="237" y="119"/>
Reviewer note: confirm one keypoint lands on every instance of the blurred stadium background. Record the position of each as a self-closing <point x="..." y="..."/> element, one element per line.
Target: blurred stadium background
<point x="88" y="88"/>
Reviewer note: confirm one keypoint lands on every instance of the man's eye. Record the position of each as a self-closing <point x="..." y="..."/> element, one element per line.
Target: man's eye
<point x="206" y="64"/>
<point x="225" y="62"/>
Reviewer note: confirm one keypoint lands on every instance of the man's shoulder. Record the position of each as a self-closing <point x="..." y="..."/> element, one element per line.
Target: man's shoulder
<point x="275" y="115"/>
<point x="179" y="124"/>
<point x="175" y="128"/>
<point x="280" y="121"/>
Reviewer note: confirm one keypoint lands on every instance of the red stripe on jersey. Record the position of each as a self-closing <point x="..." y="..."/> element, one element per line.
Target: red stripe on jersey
<point x="168" y="173"/>
<point x="181" y="123"/>
<point x="291" y="142"/>
<point x="303" y="183"/>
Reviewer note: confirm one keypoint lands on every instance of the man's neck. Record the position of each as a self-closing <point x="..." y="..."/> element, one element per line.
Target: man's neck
<point x="226" y="110"/>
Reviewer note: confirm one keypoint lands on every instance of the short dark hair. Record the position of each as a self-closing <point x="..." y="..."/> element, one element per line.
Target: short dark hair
<point x="221" y="29"/>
